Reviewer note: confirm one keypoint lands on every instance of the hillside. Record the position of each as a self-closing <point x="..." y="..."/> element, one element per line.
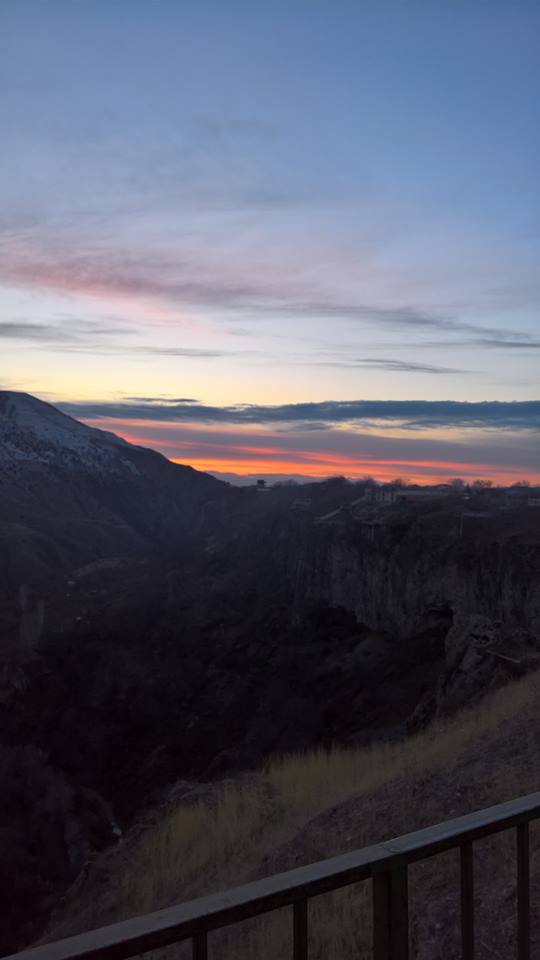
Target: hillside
<point x="307" y="807"/>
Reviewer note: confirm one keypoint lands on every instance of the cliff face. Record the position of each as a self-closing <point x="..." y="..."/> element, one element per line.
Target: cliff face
<point x="403" y="579"/>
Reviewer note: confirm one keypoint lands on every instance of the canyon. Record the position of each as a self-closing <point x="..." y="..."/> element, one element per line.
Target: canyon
<point x="158" y="625"/>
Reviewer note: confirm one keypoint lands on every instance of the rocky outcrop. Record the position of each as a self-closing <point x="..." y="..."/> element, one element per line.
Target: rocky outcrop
<point x="480" y="654"/>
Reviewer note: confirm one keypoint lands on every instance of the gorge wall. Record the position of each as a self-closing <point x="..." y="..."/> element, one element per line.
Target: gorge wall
<point x="403" y="578"/>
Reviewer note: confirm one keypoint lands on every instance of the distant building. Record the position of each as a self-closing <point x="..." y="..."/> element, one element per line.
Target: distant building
<point x="382" y="495"/>
<point x="424" y="493"/>
<point x="518" y="490"/>
<point x="533" y="502"/>
<point x="301" y="503"/>
<point x="261" y="484"/>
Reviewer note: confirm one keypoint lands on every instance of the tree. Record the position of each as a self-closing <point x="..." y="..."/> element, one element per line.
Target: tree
<point x="482" y="485"/>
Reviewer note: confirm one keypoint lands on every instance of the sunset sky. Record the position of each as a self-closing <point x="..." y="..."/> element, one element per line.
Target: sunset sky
<point x="289" y="237"/>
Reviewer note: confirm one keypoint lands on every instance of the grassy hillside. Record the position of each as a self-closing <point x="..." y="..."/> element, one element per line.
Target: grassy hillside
<point x="307" y="807"/>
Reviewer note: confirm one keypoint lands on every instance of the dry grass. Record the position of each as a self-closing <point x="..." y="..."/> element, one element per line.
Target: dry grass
<point x="189" y="844"/>
<point x="317" y="779"/>
<point x="234" y="835"/>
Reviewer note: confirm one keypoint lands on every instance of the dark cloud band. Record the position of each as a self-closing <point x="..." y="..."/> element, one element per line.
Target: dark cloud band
<point x="412" y="414"/>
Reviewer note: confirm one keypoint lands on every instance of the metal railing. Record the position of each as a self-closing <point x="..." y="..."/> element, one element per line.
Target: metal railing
<point x="385" y="863"/>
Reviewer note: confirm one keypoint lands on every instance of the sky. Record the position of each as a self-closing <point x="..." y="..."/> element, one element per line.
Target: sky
<point x="287" y="238"/>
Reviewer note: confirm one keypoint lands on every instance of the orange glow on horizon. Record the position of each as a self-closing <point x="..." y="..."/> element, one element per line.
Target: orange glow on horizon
<point x="211" y="456"/>
<point x="381" y="470"/>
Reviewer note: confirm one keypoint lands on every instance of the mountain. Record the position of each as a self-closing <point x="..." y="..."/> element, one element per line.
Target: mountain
<point x="34" y="432"/>
<point x="71" y="494"/>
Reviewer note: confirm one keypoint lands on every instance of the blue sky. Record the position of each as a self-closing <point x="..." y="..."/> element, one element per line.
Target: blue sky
<point x="268" y="204"/>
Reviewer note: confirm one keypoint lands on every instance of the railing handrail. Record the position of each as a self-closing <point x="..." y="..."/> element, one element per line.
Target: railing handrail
<point x="128" y="938"/>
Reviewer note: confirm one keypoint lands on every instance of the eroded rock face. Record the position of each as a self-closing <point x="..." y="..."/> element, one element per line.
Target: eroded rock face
<point x="409" y="578"/>
<point x="404" y="578"/>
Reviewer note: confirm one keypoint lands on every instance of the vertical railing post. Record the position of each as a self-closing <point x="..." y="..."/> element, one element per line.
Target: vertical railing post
<point x="200" y="947"/>
<point x="381" y="916"/>
<point x="467" y="901"/>
<point x="400" y="914"/>
<point x="523" y="892"/>
<point x="300" y="931"/>
<point x="391" y="915"/>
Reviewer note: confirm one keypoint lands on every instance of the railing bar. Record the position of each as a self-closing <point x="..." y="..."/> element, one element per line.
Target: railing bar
<point x="467" y="901"/>
<point x="523" y="892"/>
<point x="300" y="930"/>
<point x="152" y="931"/>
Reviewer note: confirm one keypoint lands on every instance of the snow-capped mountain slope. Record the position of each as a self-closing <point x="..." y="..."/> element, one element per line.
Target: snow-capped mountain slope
<point x="36" y="432"/>
<point x="70" y="493"/>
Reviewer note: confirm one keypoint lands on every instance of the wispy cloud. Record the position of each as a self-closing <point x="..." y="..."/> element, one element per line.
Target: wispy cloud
<point x="78" y="336"/>
<point x="161" y="399"/>
<point x="399" y="317"/>
<point x="504" y="340"/>
<point x="40" y="332"/>
<point x="381" y="363"/>
<point x="68" y="332"/>
<point x="152" y="350"/>
<point x="494" y="343"/>
<point x="100" y="269"/>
